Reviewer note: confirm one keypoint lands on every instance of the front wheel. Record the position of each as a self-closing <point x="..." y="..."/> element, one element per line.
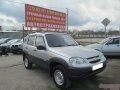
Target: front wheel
<point x="27" y="63"/>
<point x="60" y="77"/>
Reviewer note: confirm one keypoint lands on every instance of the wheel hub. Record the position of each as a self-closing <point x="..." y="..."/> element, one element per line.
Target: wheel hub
<point x="59" y="78"/>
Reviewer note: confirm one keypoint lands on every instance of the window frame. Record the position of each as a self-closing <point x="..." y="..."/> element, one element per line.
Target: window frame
<point x="113" y="40"/>
<point x="33" y="40"/>
<point x="43" y="40"/>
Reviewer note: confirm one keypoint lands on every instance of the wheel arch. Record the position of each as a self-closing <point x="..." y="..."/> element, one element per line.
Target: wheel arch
<point x="56" y="61"/>
<point x="24" y="55"/>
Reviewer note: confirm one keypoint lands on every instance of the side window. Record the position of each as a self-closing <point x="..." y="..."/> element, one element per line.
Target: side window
<point x="31" y="40"/>
<point x="40" y="41"/>
<point x="114" y="41"/>
<point x="25" y="40"/>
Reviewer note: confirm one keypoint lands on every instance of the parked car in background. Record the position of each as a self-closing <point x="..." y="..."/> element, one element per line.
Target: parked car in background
<point x="109" y="46"/>
<point x="9" y="43"/>
<point x="62" y="56"/>
<point x="17" y="47"/>
<point x="4" y="40"/>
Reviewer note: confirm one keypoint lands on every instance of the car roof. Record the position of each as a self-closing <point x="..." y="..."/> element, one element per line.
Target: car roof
<point x="114" y="37"/>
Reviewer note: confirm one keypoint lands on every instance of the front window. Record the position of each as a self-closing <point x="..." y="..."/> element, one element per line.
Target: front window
<point x="13" y="41"/>
<point x="31" y="40"/>
<point x="2" y="40"/>
<point x="40" y="41"/>
<point x="105" y="41"/>
<point x="10" y="41"/>
<point x="60" y="40"/>
<point x="114" y="41"/>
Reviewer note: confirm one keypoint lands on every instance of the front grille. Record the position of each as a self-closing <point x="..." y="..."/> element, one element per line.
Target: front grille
<point x="14" y="45"/>
<point x="94" y="59"/>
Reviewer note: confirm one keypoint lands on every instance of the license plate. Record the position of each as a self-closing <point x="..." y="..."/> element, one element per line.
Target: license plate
<point x="97" y="66"/>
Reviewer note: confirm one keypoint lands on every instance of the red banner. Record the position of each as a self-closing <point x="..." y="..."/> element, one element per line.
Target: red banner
<point x="44" y="18"/>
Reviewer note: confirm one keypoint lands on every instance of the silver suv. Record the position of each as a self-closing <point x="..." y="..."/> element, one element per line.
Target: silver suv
<point x="62" y="56"/>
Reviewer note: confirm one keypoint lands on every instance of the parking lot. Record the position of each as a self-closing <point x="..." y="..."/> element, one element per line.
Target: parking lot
<point x="13" y="76"/>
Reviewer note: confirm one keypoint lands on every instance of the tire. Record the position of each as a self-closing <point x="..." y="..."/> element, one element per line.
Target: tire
<point x="27" y="63"/>
<point x="14" y="52"/>
<point x="58" y="73"/>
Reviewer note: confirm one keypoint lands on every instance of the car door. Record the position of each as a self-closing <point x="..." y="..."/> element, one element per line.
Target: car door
<point x="41" y="55"/>
<point x="112" y="47"/>
<point x="30" y="46"/>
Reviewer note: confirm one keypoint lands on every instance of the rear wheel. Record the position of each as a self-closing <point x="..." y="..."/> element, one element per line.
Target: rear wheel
<point x="27" y="63"/>
<point x="60" y="77"/>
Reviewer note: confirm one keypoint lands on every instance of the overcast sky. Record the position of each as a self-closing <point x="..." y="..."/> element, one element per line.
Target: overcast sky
<point x="83" y="14"/>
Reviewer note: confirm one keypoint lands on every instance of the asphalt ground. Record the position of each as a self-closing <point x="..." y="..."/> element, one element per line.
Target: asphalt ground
<point x="14" y="76"/>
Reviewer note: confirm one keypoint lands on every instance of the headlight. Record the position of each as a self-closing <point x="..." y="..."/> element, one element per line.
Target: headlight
<point x="19" y="46"/>
<point x="76" y="61"/>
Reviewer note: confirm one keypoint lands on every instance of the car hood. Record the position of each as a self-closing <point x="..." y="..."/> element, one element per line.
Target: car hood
<point x="75" y="51"/>
<point x="95" y="46"/>
<point x="17" y="43"/>
<point x="5" y="44"/>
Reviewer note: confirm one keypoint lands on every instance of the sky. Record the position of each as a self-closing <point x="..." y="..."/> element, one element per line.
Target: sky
<point x="83" y="14"/>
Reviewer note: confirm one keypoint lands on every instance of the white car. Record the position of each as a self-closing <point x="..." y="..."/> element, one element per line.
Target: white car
<point x="4" y="40"/>
<point x="17" y="47"/>
<point x="109" y="46"/>
<point x="9" y="43"/>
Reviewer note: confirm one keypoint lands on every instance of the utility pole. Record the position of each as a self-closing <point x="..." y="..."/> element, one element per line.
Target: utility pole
<point x="119" y="29"/>
<point x="23" y="31"/>
<point x="105" y="32"/>
<point x="67" y="19"/>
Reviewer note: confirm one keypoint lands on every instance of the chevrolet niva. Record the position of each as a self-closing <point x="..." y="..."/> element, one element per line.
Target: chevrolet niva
<point x="62" y="56"/>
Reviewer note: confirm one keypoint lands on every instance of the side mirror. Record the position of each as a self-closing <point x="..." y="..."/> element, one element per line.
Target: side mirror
<point x="41" y="47"/>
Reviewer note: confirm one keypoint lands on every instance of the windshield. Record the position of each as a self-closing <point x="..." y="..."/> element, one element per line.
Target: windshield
<point x="104" y="41"/>
<point x="10" y="41"/>
<point x="13" y="41"/>
<point x="3" y="40"/>
<point x="60" y="40"/>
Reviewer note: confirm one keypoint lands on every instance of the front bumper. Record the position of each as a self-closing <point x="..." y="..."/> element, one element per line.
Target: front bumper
<point x="6" y="48"/>
<point x="16" y="50"/>
<point x="75" y="73"/>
